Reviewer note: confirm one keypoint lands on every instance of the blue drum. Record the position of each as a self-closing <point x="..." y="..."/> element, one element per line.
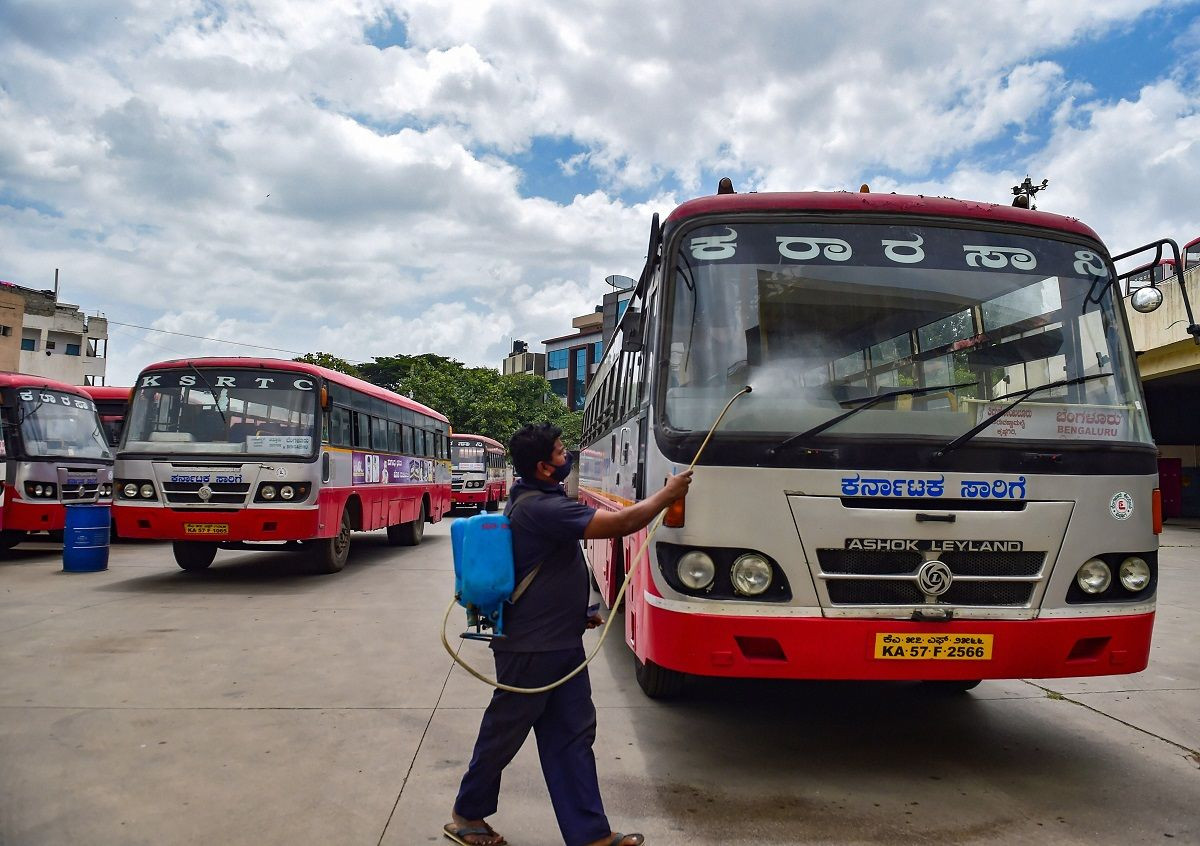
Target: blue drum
<point x="85" y="540"/>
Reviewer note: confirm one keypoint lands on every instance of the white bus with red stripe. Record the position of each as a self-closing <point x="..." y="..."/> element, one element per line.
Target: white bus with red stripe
<point x="240" y="453"/>
<point x="478" y="465"/>
<point x="53" y="454"/>
<point x="944" y="471"/>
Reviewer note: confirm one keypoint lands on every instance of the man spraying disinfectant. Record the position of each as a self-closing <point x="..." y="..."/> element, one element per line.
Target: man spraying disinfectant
<point x="544" y="642"/>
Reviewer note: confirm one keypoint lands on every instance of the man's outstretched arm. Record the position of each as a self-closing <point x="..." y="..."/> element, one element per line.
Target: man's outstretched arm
<point x="616" y="524"/>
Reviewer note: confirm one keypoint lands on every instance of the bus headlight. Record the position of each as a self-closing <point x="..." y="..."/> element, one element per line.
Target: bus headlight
<point x="287" y="492"/>
<point x="1094" y="576"/>
<point x="147" y="491"/>
<point x="696" y="569"/>
<point x="751" y="574"/>
<point x="130" y="491"/>
<point x="1134" y="574"/>
<point x="267" y="492"/>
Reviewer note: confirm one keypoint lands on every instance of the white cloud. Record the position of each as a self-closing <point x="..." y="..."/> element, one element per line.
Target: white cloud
<point x="259" y="171"/>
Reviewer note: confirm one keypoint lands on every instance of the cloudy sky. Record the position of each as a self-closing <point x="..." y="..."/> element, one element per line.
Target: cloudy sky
<point x="369" y="177"/>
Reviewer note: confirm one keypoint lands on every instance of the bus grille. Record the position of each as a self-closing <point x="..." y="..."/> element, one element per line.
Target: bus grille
<point x="188" y="493"/>
<point x="88" y="492"/>
<point x="980" y="578"/>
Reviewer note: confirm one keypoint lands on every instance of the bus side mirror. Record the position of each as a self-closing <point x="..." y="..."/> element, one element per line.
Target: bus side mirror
<point x="631" y="332"/>
<point x="1147" y="299"/>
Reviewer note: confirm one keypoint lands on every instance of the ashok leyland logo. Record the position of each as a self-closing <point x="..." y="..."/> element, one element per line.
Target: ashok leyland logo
<point x="934" y="578"/>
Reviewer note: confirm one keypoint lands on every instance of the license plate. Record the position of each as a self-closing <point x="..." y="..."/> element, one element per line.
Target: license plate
<point x="933" y="647"/>
<point x="206" y="528"/>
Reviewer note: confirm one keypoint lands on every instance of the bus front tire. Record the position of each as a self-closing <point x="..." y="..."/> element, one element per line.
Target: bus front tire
<point x="194" y="555"/>
<point x="658" y="682"/>
<point x="408" y="534"/>
<point x="10" y="538"/>
<point x="330" y="554"/>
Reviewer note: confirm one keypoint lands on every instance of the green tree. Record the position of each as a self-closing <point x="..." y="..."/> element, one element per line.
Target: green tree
<point x="330" y="361"/>
<point x="476" y="400"/>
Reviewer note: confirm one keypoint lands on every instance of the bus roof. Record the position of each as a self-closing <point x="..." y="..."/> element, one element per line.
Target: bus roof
<point x="9" y="379"/>
<point x="489" y="441"/>
<point x="106" y="392"/>
<point x="300" y="367"/>
<point x="846" y="202"/>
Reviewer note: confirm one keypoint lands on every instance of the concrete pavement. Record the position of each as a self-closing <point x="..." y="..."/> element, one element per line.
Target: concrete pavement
<point x="256" y="704"/>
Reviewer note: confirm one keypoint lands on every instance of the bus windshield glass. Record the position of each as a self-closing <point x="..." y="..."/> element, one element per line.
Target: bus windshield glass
<point x="60" y="426"/>
<point x="466" y="455"/>
<point x="223" y="412"/>
<point x="820" y="318"/>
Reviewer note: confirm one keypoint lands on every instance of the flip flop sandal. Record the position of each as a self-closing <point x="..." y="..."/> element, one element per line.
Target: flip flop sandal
<point x="459" y="834"/>
<point x="619" y="839"/>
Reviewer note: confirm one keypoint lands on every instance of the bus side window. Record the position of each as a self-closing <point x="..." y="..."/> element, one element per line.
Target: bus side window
<point x="362" y="430"/>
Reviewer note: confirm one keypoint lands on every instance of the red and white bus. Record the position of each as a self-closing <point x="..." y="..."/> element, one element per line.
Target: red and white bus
<point x="112" y="405"/>
<point x="54" y="454"/>
<point x="1191" y="254"/>
<point x="944" y="471"/>
<point x="238" y="452"/>
<point x="1154" y="273"/>
<point x="479" y="469"/>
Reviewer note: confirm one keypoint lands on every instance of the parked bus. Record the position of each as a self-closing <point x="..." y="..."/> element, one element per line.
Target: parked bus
<point x="54" y="454"/>
<point x="1191" y="254"/>
<point x="236" y="452"/>
<point x="479" y="471"/>
<point x="1151" y="274"/>
<point x="944" y="471"/>
<point x="112" y="404"/>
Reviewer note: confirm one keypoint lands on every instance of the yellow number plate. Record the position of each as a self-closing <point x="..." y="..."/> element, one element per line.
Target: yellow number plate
<point x="206" y="528"/>
<point x="934" y="647"/>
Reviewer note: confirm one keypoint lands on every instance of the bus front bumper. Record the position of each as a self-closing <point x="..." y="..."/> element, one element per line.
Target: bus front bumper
<point x="476" y="497"/>
<point x="24" y="516"/>
<point x="247" y="524"/>
<point x="838" y="648"/>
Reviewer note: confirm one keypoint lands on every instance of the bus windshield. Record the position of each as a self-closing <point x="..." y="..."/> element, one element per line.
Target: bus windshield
<point x="466" y="455"/>
<point x="820" y="318"/>
<point x="60" y="426"/>
<point x="222" y="412"/>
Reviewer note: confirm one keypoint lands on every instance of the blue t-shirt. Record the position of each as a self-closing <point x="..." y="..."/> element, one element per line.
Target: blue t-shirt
<point x="552" y="612"/>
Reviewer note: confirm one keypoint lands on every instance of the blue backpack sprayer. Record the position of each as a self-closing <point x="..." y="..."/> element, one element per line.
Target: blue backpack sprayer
<point x="483" y="570"/>
<point x="484" y="579"/>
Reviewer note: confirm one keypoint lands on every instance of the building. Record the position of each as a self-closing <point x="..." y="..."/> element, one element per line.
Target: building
<point x="520" y="360"/>
<point x="572" y="359"/>
<point x="45" y="337"/>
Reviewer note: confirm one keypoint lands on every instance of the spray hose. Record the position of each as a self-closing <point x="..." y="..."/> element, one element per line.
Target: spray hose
<point x="637" y="558"/>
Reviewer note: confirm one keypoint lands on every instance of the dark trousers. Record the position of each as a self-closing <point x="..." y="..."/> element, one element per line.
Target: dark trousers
<point x="564" y="723"/>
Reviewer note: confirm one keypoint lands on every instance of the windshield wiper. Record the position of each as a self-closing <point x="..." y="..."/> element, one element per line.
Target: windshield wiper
<point x="211" y="390"/>
<point x="25" y="415"/>
<point x="1021" y="396"/>
<point x="867" y="403"/>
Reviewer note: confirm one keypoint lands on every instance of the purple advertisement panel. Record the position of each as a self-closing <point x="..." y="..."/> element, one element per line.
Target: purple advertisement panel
<point x="373" y="469"/>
